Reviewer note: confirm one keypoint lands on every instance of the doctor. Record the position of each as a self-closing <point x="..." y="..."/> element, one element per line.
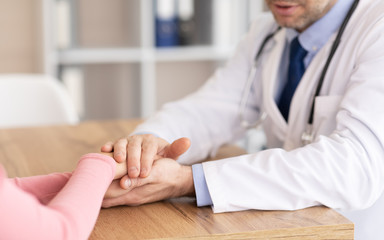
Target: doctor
<point x="338" y="161"/>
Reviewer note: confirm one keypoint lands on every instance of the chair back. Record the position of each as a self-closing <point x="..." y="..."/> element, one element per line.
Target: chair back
<point x="34" y="100"/>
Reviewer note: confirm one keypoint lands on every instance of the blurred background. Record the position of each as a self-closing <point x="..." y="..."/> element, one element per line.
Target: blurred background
<point x="122" y="58"/>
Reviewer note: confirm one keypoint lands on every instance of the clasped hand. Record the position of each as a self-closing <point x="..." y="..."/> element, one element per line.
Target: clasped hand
<point x="148" y="170"/>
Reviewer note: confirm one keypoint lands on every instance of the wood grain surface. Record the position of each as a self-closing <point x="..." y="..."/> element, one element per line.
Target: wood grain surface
<point x="42" y="150"/>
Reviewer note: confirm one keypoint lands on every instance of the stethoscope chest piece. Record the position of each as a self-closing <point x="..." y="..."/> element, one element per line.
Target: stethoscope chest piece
<point x="307" y="136"/>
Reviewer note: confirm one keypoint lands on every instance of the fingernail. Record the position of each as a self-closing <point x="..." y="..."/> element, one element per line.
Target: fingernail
<point x="127" y="183"/>
<point x="133" y="170"/>
<point x="143" y="171"/>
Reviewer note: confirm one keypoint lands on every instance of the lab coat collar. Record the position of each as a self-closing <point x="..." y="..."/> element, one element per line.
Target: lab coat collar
<point x="319" y="33"/>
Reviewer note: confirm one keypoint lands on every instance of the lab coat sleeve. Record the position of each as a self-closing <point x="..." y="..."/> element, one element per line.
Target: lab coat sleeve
<point x="342" y="170"/>
<point x="210" y="117"/>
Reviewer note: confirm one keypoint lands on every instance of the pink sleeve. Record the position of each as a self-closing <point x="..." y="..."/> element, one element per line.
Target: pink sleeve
<point x="43" y="187"/>
<point x="71" y="214"/>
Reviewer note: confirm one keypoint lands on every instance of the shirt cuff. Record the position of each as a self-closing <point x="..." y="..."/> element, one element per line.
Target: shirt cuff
<point x="203" y="198"/>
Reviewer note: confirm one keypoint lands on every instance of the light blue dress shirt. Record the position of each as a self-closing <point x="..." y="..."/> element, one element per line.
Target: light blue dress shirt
<point x="312" y="40"/>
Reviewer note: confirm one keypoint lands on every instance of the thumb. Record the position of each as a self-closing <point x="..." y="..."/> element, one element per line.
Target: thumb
<point x="177" y="148"/>
<point x="127" y="183"/>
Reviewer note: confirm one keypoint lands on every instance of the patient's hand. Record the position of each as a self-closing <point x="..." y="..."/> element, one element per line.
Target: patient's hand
<point x="121" y="168"/>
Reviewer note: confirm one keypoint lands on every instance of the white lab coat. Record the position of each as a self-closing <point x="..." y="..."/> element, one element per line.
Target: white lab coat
<point x="342" y="169"/>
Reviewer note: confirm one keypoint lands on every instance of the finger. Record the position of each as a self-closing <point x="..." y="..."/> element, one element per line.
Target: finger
<point x="125" y="182"/>
<point x="114" y="190"/>
<point x="134" y="156"/>
<point x="134" y="197"/>
<point x="128" y="183"/>
<point x="116" y="201"/>
<point x="120" y="153"/>
<point x="177" y="148"/>
<point x="116" y="196"/>
<point x="107" y="147"/>
<point x="149" y="150"/>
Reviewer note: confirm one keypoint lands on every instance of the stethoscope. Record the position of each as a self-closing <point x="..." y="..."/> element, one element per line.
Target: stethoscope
<point x="308" y="135"/>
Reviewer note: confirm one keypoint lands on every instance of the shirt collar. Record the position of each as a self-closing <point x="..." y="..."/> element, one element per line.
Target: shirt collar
<point x="315" y="37"/>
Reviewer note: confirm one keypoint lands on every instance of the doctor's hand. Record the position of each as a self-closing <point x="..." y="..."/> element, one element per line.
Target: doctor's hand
<point x="140" y="151"/>
<point x="168" y="179"/>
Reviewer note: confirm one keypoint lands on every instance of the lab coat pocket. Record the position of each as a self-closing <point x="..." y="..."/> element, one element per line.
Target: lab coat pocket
<point x="326" y="108"/>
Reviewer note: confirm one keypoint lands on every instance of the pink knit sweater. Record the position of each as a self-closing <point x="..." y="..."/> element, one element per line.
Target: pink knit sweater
<point x="55" y="206"/>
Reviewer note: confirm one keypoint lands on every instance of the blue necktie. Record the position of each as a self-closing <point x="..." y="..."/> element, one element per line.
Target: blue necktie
<point x="295" y="72"/>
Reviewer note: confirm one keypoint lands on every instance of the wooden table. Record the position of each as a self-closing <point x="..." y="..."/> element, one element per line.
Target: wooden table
<point x="42" y="150"/>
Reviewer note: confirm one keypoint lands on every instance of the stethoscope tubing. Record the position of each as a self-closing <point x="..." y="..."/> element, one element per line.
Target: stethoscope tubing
<point x="307" y="136"/>
<point x="335" y="45"/>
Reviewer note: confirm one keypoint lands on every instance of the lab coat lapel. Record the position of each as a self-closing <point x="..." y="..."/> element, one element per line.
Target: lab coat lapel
<point x="302" y="99"/>
<point x="270" y="81"/>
